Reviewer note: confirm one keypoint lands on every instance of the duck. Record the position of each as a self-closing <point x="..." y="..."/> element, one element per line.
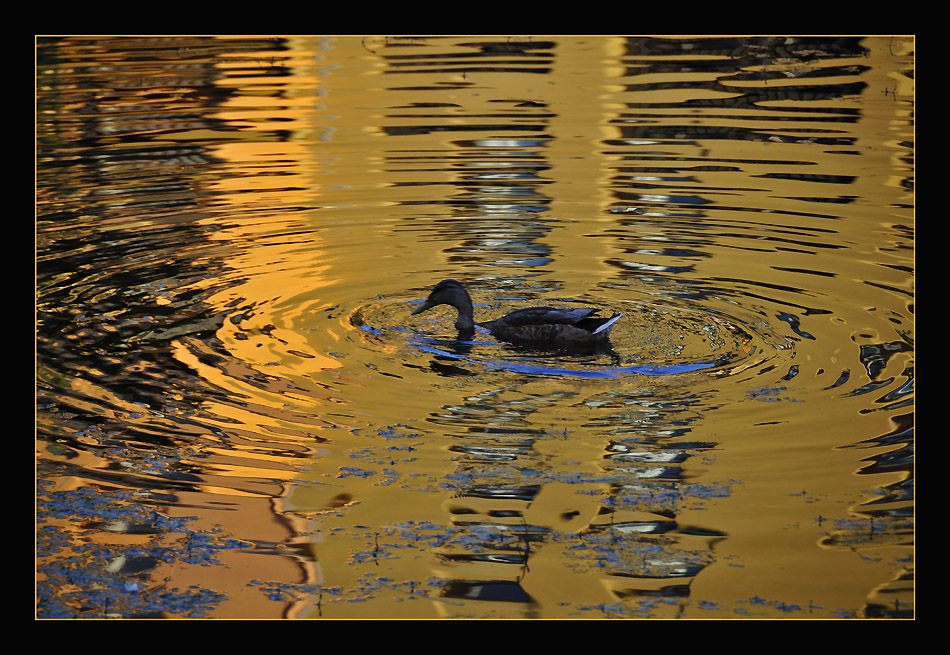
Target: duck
<point x="554" y="326"/>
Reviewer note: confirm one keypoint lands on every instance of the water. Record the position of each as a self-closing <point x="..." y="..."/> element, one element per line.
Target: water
<point x="237" y="416"/>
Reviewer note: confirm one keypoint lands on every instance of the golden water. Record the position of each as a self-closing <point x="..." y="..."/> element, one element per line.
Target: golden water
<point x="239" y="418"/>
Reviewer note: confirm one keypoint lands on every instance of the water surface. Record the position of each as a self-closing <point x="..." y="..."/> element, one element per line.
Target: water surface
<point x="239" y="418"/>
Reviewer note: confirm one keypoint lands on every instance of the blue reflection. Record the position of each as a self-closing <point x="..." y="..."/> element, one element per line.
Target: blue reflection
<point x="600" y="372"/>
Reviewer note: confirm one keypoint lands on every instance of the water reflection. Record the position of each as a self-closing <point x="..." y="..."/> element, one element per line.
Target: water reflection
<point x="514" y="495"/>
<point x="238" y="417"/>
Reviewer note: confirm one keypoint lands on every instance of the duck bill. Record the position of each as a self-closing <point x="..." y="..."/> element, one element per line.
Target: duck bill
<point x="426" y="306"/>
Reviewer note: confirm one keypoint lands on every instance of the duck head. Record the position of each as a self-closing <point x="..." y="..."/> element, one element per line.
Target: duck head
<point x="451" y="292"/>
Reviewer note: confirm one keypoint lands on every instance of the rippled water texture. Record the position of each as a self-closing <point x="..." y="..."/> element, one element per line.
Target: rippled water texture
<point x="238" y="416"/>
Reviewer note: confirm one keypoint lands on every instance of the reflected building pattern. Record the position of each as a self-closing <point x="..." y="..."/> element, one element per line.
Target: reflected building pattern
<point x="240" y="416"/>
<point x="620" y="520"/>
<point x="495" y="216"/>
<point x="652" y="194"/>
<point x="127" y="223"/>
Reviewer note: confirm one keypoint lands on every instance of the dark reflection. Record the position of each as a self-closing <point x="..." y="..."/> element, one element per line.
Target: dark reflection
<point x="669" y="219"/>
<point x="110" y="306"/>
<point x="498" y="173"/>
<point x="509" y="55"/>
<point x="887" y="519"/>
<point x="127" y="208"/>
<point x="742" y="59"/>
<point x="490" y="590"/>
<point x="97" y="297"/>
<point x="875" y="356"/>
<point x="124" y="244"/>
<point x="654" y="173"/>
<point x="500" y="481"/>
<point x="449" y="358"/>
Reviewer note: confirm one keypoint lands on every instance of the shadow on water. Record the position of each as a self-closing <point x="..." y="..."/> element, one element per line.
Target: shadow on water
<point x="456" y="350"/>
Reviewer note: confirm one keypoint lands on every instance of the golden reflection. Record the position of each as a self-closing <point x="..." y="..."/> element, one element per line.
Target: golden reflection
<point x="378" y="467"/>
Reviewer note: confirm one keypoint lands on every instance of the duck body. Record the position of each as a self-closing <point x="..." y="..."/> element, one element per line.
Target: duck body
<point x="532" y="325"/>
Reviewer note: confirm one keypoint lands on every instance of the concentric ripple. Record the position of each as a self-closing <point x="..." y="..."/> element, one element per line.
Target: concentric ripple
<point x="655" y="337"/>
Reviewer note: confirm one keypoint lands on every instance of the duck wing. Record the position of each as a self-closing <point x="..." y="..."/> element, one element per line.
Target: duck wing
<point x="542" y="316"/>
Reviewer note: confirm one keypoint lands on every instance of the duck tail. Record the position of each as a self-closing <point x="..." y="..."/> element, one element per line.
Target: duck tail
<point x="608" y="324"/>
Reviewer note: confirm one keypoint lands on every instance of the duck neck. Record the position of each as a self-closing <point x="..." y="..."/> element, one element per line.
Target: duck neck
<point x="466" y="318"/>
<point x="465" y="323"/>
